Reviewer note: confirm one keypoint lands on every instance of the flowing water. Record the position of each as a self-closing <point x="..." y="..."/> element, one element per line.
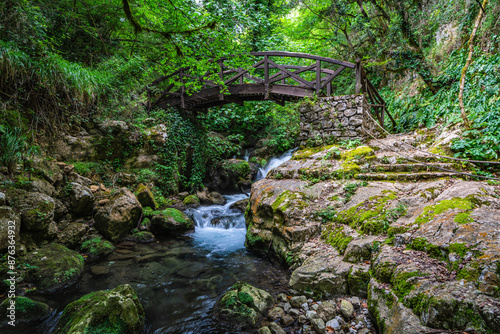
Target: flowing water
<point x="273" y="163"/>
<point x="179" y="280"/>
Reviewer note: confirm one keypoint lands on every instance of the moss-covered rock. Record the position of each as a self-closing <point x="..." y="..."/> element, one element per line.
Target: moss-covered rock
<point x="141" y="237"/>
<point x="37" y="210"/>
<point x="116" y="311"/>
<point x="117" y="217"/>
<point x="26" y="310"/>
<point x="171" y="222"/>
<point x="10" y="225"/>
<point x="191" y="200"/>
<point x="96" y="248"/>
<point x="52" y="268"/>
<point x="243" y="305"/>
<point x="145" y="197"/>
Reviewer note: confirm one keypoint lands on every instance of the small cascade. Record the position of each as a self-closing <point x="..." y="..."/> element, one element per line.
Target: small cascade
<point x="219" y="228"/>
<point x="273" y="163"/>
<point x="247" y="155"/>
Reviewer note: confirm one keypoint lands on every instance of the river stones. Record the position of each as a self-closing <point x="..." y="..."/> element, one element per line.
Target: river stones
<point x="52" y="268"/>
<point x="26" y="310"/>
<point x="118" y="216"/>
<point x="171" y="222"/>
<point x="243" y="305"/>
<point x="107" y="311"/>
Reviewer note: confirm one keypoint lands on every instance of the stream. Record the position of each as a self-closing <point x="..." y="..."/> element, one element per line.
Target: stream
<point x="179" y="280"/>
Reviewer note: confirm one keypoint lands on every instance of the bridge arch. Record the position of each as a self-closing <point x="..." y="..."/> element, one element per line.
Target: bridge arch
<point x="268" y="78"/>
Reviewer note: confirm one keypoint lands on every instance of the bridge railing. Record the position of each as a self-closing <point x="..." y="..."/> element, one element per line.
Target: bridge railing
<point x="265" y="79"/>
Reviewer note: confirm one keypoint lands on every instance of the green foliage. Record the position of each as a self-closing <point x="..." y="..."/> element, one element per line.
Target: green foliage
<point x="14" y="148"/>
<point x="183" y="156"/>
<point x="326" y="215"/>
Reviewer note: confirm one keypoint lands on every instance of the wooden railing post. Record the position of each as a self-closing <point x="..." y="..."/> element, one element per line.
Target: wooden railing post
<point x="266" y="78"/>
<point x="359" y="78"/>
<point x="318" y="77"/>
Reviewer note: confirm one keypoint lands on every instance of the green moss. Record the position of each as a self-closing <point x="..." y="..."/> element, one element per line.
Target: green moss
<point x="463" y="218"/>
<point x="96" y="247"/>
<point x="239" y="167"/>
<point x="191" y="200"/>
<point x="308" y="152"/>
<point x="404" y="283"/>
<point x="337" y="238"/>
<point x="177" y="215"/>
<point x="470" y="273"/>
<point x="421" y="244"/>
<point x="394" y="230"/>
<point x="358" y="153"/>
<point x="431" y="211"/>
<point x="287" y="198"/>
<point x="459" y="248"/>
<point x="370" y="216"/>
<point x="246" y="299"/>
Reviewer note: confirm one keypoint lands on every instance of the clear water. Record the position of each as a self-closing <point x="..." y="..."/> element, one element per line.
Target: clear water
<point x="273" y="163"/>
<point x="178" y="280"/>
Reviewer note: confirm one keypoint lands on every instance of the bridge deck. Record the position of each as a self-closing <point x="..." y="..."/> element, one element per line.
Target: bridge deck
<point x="266" y="79"/>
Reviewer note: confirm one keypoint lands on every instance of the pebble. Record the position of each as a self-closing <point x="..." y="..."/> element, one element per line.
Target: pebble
<point x="355" y="302"/>
<point x="294" y="312"/>
<point x="333" y="323"/>
<point x="305" y="307"/>
<point x="319" y="325"/>
<point x="311" y="315"/>
<point x="314" y="307"/>
<point x="346" y="308"/>
<point x="3" y="200"/>
<point x="276" y="313"/>
<point x="287" y="307"/>
<point x="297" y="301"/>
<point x="302" y="319"/>
<point x="276" y="329"/>
<point x="264" y="330"/>
<point x="282" y="298"/>
<point x="287" y="320"/>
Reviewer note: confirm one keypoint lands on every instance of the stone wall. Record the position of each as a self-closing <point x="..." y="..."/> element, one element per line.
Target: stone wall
<point x="335" y="118"/>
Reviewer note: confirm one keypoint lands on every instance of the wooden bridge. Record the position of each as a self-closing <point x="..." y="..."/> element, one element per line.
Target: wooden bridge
<point x="267" y="79"/>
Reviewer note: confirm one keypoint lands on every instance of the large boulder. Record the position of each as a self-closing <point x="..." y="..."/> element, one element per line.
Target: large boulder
<point x="118" y="216"/>
<point x="37" y="210"/>
<point x="52" y="268"/>
<point x="107" y="311"/>
<point x="10" y="224"/>
<point x="25" y="311"/>
<point x="146" y="197"/>
<point x="81" y="199"/>
<point x="243" y="305"/>
<point x="171" y="222"/>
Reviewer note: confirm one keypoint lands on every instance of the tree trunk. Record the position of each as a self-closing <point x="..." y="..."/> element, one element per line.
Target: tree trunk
<point x="467" y="63"/>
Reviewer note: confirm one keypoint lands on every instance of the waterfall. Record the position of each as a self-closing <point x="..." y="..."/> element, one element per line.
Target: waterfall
<point x="273" y="163"/>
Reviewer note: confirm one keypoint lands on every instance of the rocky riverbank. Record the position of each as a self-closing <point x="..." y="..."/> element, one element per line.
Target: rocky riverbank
<point x="378" y="222"/>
